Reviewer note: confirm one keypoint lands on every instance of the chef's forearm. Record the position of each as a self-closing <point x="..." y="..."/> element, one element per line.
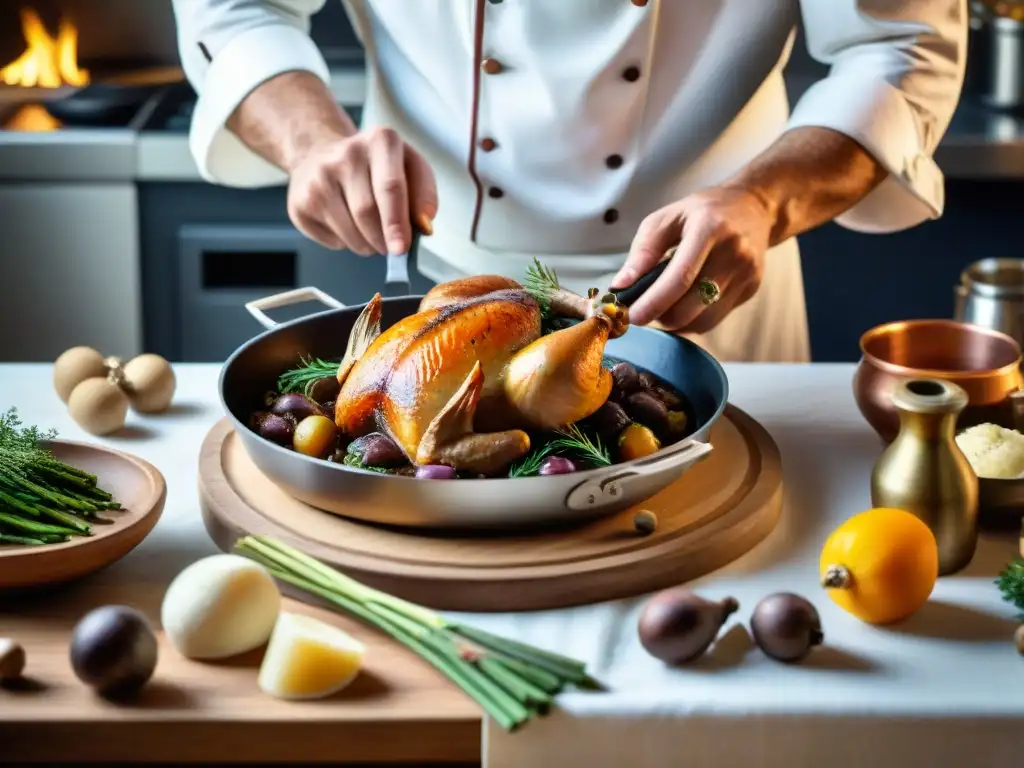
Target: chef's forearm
<point x="287" y="115"/>
<point x="808" y="177"/>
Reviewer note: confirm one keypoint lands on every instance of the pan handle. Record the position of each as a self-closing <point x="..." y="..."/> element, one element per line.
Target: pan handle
<point x="613" y="485"/>
<point x="286" y="299"/>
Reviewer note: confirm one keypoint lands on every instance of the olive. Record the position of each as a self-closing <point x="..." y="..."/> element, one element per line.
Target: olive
<point x="324" y="390"/>
<point x="636" y="442"/>
<point x="377" y="450"/>
<point x="648" y="410"/>
<point x="608" y="421"/>
<point x="277" y="429"/>
<point x="314" y="436"/>
<point x="296" y="405"/>
<point x="556" y="465"/>
<point x="435" y="472"/>
<point x="626" y="379"/>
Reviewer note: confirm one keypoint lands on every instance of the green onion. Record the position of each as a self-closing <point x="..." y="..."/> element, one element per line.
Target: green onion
<point x="511" y="681"/>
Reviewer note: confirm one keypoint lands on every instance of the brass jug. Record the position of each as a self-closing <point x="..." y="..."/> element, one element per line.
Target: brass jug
<point x="924" y="472"/>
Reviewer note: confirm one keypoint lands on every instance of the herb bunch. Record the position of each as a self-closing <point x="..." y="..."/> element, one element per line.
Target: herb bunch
<point x="302" y="377"/>
<point x="1011" y="584"/>
<point x="569" y="440"/>
<point x="510" y="680"/>
<point x="42" y="499"/>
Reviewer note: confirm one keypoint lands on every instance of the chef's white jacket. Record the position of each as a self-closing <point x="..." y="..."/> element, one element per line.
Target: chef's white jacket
<point x="555" y="126"/>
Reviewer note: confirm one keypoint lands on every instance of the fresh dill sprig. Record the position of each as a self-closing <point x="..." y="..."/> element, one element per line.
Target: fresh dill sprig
<point x="1011" y="583"/>
<point x="42" y="499"/>
<point x="302" y="377"/>
<point x="540" y="283"/>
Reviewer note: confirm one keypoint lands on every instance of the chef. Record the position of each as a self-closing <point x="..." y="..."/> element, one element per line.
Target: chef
<point x="593" y="135"/>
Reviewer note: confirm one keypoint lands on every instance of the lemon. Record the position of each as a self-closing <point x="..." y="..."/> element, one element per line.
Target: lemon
<point x="308" y="659"/>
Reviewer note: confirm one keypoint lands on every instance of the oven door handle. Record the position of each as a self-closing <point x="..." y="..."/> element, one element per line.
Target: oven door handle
<point x="297" y="296"/>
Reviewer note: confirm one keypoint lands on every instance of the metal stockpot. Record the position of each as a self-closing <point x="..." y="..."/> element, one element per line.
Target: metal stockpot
<point x="991" y="294"/>
<point x="474" y="504"/>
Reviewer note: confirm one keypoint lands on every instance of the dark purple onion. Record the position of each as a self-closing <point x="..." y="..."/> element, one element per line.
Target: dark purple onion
<point x="277" y="429"/>
<point x="435" y="472"/>
<point x="556" y="465"/>
<point x="296" y="405"/>
<point x="324" y="390"/>
<point x="626" y="379"/>
<point x="608" y="421"/>
<point x="377" y="450"/>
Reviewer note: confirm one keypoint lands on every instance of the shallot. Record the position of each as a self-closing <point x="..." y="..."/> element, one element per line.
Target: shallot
<point x="296" y="405"/>
<point x="435" y="472"/>
<point x="377" y="450"/>
<point x="276" y="429"/>
<point x="556" y="465"/>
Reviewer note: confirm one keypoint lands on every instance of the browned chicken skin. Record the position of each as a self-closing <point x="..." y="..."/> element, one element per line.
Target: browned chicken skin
<point x="460" y="381"/>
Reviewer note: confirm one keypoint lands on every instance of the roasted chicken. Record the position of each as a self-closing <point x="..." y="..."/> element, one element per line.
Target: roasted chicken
<point x="461" y="381"/>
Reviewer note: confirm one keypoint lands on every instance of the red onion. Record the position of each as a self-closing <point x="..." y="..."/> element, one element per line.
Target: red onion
<point x="557" y="465"/>
<point x="435" y="472"/>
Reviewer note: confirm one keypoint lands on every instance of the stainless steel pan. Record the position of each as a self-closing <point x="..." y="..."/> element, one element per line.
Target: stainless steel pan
<point x="468" y="504"/>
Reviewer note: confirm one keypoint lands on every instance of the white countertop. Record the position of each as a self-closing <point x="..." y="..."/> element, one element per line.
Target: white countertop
<point x="954" y="661"/>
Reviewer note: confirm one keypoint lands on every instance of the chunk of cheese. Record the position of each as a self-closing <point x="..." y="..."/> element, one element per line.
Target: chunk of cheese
<point x="308" y="659"/>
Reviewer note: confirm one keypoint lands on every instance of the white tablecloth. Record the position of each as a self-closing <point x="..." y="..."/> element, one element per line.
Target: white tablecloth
<point x="940" y="690"/>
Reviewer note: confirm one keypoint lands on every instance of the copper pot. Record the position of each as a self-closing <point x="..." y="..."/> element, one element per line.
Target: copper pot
<point x="984" y="362"/>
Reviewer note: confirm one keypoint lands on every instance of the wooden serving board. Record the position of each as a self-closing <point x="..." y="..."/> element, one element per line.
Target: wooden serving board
<point x="716" y="512"/>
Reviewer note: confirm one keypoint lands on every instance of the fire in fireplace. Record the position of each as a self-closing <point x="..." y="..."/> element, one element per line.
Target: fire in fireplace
<point x="48" y="61"/>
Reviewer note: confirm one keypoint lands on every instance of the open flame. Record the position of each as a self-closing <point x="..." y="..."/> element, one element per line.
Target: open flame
<point x="48" y="62"/>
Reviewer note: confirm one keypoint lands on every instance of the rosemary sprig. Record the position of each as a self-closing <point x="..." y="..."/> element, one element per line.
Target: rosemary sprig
<point x="510" y="680"/>
<point x="576" y="441"/>
<point x="302" y="377"/>
<point x="1011" y="583"/>
<point x="540" y="283"/>
<point x="571" y="440"/>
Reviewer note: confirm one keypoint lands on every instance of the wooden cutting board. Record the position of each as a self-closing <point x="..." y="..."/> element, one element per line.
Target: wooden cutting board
<point x="399" y="709"/>
<point x="712" y="515"/>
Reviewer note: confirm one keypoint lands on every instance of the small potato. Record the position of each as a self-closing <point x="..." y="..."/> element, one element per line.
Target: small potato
<point x="314" y="436"/>
<point x="636" y="442"/>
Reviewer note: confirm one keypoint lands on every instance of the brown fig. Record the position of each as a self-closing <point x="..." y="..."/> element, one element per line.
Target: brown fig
<point x="786" y="626"/>
<point x="678" y="626"/>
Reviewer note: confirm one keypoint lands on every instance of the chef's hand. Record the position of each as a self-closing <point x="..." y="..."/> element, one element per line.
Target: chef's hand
<point x="361" y="192"/>
<point x="722" y="235"/>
